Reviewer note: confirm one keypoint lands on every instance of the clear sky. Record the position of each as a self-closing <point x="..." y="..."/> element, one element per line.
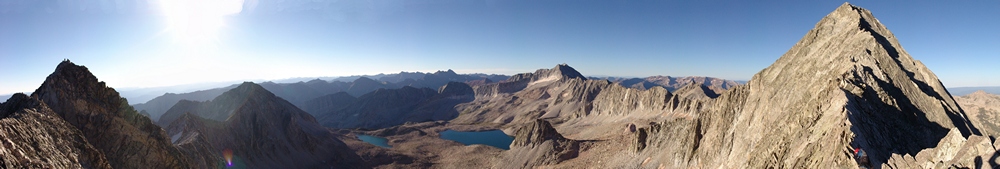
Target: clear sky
<point x="149" y="43"/>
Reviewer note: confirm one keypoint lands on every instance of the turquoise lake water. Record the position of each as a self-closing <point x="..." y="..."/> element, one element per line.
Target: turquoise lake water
<point x="495" y="138"/>
<point x="378" y="141"/>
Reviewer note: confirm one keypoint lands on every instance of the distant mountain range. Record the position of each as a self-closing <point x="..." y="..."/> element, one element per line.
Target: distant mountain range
<point x="300" y="93"/>
<point x="303" y="92"/>
<point x="962" y="91"/>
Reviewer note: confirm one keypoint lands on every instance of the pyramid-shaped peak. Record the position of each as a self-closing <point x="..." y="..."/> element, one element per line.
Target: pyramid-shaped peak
<point x="247" y="89"/>
<point x="67" y="71"/>
<point x="566" y="71"/>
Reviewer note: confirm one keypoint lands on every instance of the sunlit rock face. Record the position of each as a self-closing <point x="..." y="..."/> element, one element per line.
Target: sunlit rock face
<point x="36" y="137"/>
<point x="106" y="120"/>
<point x="847" y="84"/>
<point x="261" y="131"/>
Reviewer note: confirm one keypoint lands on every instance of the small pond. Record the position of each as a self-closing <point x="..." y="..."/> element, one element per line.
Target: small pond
<point x="495" y="138"/>
<point x="378" y="141"/>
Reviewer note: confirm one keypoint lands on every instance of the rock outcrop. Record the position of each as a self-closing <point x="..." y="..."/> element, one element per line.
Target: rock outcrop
<point x="954" y="151"/>
<point x="35" y="137"/>
<point x="127" y="139"/>
<point x="538" y="144"/>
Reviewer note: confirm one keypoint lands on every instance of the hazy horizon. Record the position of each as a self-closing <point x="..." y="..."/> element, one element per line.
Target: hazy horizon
<point x="139" y="44"/>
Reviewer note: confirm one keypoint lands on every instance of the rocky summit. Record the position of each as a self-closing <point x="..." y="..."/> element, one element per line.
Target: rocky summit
<point x="127" y="139"/>
<point x="847" y="84"/>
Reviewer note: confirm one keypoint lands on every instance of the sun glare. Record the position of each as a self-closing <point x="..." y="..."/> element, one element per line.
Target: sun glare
<point x="197" y="22"/>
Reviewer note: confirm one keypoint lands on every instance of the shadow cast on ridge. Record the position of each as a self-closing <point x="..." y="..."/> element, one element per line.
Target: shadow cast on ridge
<point x="883" y="129"/>
<point x="958" y="118"/>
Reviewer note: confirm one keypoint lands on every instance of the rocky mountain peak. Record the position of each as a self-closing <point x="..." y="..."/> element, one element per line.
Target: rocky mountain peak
<point x="846" y="84"/>
<point x="107" y="120"/>
<point x="448" y="72"/>
<point x="248" y="89"/>
<point x="71" y="81"/>
<point x="566" y="71"/>
<point x="536" y="133"/>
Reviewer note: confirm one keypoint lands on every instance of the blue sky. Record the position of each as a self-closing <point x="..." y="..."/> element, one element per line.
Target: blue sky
<point x="149" y="43"/>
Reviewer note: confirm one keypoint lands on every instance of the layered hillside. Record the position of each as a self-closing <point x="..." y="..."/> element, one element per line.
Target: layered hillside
<point x="106" y="120"/>
<point x="262" y="131"/>
<point x="36" y="137"/>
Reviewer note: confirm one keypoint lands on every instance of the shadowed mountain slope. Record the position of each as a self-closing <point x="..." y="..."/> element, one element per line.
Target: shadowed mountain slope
<point x="106" y="120"/>
<point x="263" y="130"/>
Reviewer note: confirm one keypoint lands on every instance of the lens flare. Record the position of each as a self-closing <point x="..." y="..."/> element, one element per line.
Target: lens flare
<point x="228" y="154"/>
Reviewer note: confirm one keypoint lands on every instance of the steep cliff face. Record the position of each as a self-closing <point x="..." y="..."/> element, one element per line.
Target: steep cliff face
<point x="36" y="137"/>
<point x="262" y="131"/>
<point x="127" y="139"/>
<point x="847" y="84"/>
